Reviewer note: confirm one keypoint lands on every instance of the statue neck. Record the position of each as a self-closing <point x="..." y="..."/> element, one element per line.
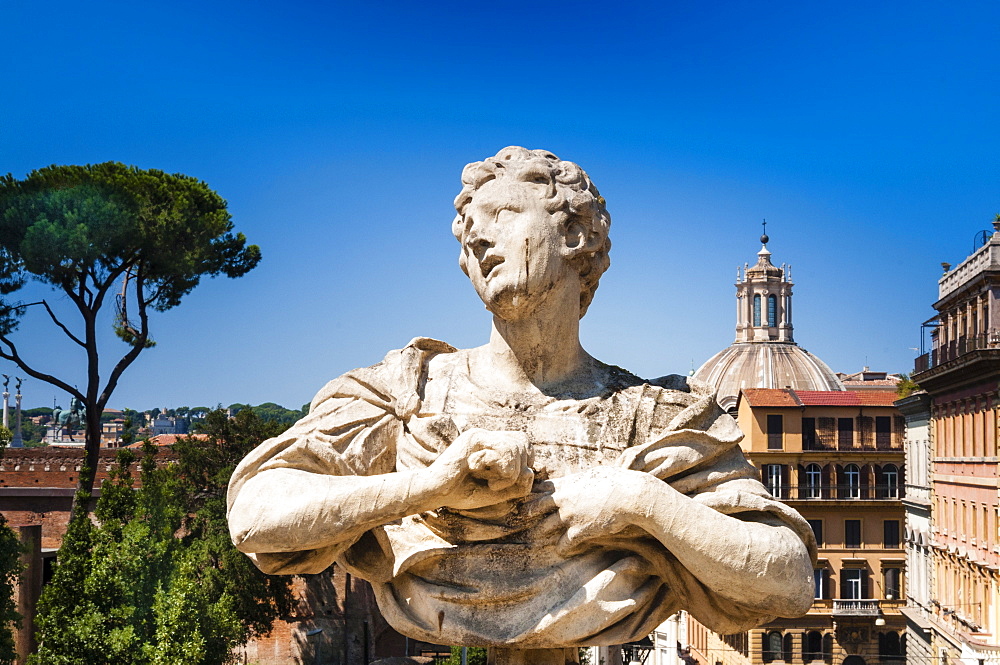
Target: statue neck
<point x="539" y="352"/>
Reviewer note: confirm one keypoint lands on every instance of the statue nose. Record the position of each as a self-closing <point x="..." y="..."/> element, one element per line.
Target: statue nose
<point x="479" y="244"/>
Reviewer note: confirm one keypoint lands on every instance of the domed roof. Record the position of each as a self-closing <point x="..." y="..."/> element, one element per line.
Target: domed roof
<point x="764" y="267"/>
<point x="765" y="365"/>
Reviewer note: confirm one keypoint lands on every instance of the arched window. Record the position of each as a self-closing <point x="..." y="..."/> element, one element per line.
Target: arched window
<point x="889" y="644"/>
<point x="772" y="646"/>
<point x="814" y="478"/>
<point x="772" y="310"/>
<point x="890" y="481"/>
<point x="756" y="309"/>
<point x="787" y="652"/>
<point x="813" y="647"/>
<point x="852" y="480"/>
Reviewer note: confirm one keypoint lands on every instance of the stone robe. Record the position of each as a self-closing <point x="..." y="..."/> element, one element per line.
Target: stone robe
<point x="491" y="576"/>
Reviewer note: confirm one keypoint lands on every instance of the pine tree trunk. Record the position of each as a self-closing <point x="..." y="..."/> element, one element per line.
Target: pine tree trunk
<point x="88" y="471"/>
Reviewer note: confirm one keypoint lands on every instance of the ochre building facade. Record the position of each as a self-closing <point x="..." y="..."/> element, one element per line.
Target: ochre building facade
<point x="837" y="457"/>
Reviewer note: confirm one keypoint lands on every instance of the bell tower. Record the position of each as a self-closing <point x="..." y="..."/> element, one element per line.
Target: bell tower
<point x="764" y="299"/>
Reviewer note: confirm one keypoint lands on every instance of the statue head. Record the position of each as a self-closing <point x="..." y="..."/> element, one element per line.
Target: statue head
<point x="567" y="195"/>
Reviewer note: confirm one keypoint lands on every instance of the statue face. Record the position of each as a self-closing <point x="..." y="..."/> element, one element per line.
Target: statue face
<point x="516" y="250"/>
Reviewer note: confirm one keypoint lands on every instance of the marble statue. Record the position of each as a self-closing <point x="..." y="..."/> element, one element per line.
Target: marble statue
<point x="523" y="494"/>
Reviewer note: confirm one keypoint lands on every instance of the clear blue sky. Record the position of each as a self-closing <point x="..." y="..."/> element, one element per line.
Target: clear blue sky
<point x="865" y="132"/>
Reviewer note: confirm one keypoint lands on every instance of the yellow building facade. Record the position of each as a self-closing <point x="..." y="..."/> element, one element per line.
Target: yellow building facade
<point x="837" y="457"/>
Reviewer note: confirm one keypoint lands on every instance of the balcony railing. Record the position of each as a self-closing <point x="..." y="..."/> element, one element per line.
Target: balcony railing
<point x="957" y="348"/>
<point x="837" y="492"/>
<point x="880" y="442"/>
<point x="856" y="608"/>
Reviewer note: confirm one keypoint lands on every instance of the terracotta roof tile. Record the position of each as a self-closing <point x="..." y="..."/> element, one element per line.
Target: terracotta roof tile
<point x="775" y="397"/>
<point x="785" y="397"/>
<point x="167" y="439"/>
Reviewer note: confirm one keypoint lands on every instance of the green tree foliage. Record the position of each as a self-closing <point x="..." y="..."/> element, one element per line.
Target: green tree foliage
<point x="271" y="411"/>
<point x="906" y="386"/>
<point x="205" y="468"/>
<point x="157" y="580"/>
<point x="10" y="568"/>
<point x="89" y="232"/>
<point x="474" y="656"/>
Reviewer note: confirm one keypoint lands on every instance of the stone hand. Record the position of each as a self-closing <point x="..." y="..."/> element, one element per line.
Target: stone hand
<point x="482" y="468"/>
<point x="593" y="504"/>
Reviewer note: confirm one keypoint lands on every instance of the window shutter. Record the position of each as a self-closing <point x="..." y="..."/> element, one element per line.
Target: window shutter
<point x="864" y="584"/>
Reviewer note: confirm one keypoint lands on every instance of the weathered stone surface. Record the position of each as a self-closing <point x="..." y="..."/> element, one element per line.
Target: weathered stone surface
<point x="523" y="494"/>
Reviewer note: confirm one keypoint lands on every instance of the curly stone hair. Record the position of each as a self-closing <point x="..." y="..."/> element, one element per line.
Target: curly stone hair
<point x="572" y="197"/>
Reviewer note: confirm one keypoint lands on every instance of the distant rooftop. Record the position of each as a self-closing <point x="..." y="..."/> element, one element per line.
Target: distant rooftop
<point x="787" y="397"/>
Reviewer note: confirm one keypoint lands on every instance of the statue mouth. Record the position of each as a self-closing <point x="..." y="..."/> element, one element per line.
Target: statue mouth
<point x="488" y="263"/>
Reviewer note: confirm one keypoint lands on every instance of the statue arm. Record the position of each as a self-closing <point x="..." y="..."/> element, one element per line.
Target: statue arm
<point x="732" y="541"/>
<point x="289" y="510"/>
<point x="761" y="562"/>
<point x="286" y="507"/>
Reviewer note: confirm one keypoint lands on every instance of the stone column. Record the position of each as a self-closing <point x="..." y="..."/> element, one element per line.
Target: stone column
<point x="18" y="442"/>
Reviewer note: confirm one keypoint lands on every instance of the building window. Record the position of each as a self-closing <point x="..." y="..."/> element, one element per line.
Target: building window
<point x="853" y="583"/>
<point x="883" y="431"/>
<point x="813" y="647"/>
<point x="773" y="480"/>
<point x="890" y="534"/>
<point x="891" y="585"/>
<point x="890" y="647"/>
<point x="845" y="432"/>
<point x="819" y="583"/>
<point x="756" y="310"/>
<point x="772" y="311"/>
<point x="772" y="646"/>
<point x="889" y="485"/>
<point x="852" y="533"/>
<point x="852" y="481"/>
<point x="814" y="481"/>
<point x="817" y="527"/>
<point x="809" y="441"/>
<point x="775" y="428"/>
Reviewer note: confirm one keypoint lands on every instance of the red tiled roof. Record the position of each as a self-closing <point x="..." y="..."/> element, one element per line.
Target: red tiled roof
<point x="785" y="397"/>
<point x="167" y="439"/>
<point x="776" y="397"/>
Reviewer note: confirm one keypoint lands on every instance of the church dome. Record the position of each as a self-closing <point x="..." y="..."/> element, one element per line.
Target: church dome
<point x="765" y="354"/>
<point x="765" y="365"/>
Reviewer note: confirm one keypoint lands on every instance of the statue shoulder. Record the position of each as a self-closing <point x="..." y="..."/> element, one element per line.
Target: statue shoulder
<point x="395" y="379"/>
